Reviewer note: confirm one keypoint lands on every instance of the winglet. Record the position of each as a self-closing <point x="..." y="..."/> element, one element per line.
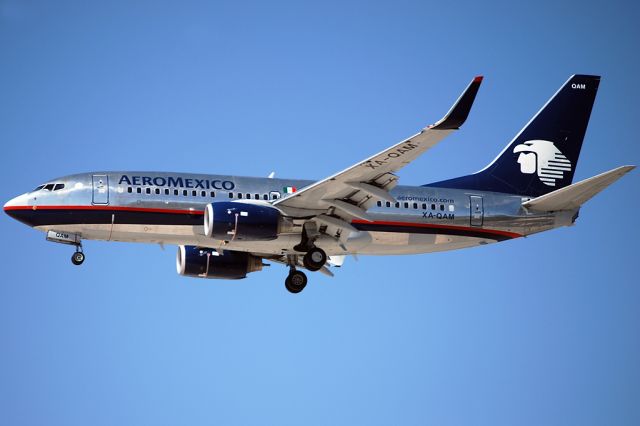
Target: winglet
<point x="459" y="112"/>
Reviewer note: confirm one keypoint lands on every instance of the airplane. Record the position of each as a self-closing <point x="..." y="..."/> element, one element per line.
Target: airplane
<point x="227" y="226"/>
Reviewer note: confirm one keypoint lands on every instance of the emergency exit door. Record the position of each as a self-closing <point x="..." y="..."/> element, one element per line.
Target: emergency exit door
<point x="100" y="189"/>
<point x="477" y="210"/>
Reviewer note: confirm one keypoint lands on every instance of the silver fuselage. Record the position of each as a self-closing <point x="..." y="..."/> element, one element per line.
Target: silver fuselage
<point x="167" y="208"/>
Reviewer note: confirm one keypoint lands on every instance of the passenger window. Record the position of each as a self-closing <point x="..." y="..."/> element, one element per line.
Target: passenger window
<point x="406" y="205"/>
<point x="256" y="196"/>
<point x="194" y="193"/>
<point x="176" y="192"/>
<point x="213" y="194"/>
<point x="248" y="196"/>
<point x="139" y="190"/>
<point x="388" y="204"/>
<point x="433" y="206"/>
<point x="184" y="192"/>
<point x="231" y="195"/>
<point x="451" y="207"/>
<point x="424" y="206"/>
<point x="157" y="191"/>
<point x="129" y="190"/>
<point x="240" y="195"/>
<point x="58" y="186"/>
<point x="148" y="190"/>
<point x="397" y="205"/>
<point x="203" y="193"/>
<point x="379" y="203"/>
<point x="415" y="205"/>
<point x="166" y="191"/>
<point x="442" y="207"/>
<point x="274" y="195"/>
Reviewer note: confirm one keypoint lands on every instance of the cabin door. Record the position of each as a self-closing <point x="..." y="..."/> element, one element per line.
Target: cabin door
<point x="477" y="210"/>
<point x="100" y="189"/>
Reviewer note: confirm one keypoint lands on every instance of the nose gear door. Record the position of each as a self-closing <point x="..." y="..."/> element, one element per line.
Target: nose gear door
<point x="476" y="210"/>
<point x="100" y="189"/>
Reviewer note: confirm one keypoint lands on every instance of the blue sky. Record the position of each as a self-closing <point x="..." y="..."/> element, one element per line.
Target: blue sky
<point x="542" y="330"/>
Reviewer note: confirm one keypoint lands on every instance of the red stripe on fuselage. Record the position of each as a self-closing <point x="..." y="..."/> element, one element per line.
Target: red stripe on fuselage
<point x="201" y="212"/>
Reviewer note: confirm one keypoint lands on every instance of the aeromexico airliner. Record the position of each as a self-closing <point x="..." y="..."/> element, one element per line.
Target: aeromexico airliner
<point x="226" y="226"/>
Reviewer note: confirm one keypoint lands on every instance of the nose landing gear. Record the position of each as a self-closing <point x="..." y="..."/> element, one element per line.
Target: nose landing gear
<point x="68" y="238"/>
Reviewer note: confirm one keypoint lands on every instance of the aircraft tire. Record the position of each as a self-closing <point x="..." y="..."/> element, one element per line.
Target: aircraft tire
<point x="315" y="259"/>
<point x="295" y="282"/>
<point x="77" y="258"/>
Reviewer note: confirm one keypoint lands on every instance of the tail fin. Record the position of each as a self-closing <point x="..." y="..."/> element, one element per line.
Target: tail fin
<point x="543" y="156"/>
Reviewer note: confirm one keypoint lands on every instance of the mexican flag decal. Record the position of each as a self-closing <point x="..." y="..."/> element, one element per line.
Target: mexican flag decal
<point x="289" y="189"/>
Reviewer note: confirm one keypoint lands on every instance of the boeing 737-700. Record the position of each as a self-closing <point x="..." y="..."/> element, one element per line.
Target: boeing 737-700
<point x="227" y="226"/>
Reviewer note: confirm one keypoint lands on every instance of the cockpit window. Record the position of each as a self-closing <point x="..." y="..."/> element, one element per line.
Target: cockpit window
<point x="50" y="187"/>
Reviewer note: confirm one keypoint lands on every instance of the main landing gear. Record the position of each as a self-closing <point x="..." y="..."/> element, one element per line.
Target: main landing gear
<point x="313" y="260"/>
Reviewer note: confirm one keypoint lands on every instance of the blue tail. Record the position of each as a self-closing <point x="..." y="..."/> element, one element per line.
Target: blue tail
<point x="543" y="156"/>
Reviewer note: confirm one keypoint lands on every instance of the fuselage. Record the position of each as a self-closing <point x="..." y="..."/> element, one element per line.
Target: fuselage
<point x="167" y="208"/>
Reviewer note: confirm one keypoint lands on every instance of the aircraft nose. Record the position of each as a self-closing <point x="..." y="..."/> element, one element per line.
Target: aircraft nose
<point x="16" y="208"/>
<point x="9" y="204"/>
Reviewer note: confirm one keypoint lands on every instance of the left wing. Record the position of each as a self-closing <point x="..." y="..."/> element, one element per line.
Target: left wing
<point x="352" y="191"/>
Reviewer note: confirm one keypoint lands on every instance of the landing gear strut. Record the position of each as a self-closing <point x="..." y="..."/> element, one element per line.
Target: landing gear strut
<point x="78" y="257"/>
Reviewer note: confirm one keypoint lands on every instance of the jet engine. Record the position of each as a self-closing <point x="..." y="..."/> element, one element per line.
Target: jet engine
<point x="201" y="262"/>
<point x="231" y="221"/>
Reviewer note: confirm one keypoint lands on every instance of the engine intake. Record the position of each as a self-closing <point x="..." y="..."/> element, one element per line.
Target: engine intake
<point x="202" y="262"/>
<point x="233" y="221"/>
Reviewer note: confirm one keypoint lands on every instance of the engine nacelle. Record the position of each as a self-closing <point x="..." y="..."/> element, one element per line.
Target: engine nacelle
<point x="231" y="221"/>
<point x="201" y="262"/>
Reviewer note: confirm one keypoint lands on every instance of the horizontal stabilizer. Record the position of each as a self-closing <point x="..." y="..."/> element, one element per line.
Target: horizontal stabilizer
<point x="573" y="196"/>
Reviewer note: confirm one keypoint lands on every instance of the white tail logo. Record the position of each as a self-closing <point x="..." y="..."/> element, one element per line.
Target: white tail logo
<point x="543" y="158"/>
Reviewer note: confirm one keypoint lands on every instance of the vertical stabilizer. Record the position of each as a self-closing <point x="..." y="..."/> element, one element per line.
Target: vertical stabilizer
<point x="544" y="154"/>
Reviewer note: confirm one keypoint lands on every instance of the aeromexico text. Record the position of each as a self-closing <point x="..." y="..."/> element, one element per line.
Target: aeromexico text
<point x="179" y="182"/>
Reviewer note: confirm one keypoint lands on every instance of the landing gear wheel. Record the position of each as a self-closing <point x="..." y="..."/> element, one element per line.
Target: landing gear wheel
<point x="315" y="259"/>
<point x="296" y="281"/>
<point x="77" y="258"/>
